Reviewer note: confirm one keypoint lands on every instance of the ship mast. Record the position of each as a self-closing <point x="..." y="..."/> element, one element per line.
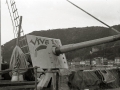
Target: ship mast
<point x="0" y="45"/>
<point x="0" y="53"/>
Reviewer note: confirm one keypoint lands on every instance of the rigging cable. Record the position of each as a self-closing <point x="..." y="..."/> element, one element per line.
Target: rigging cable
<point x="11" y="18"/>
<point x="94" y="17"/>
<point x="15" y="27"/>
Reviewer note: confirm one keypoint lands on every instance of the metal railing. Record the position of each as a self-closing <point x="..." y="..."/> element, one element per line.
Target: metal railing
<point x="35" y="71"/>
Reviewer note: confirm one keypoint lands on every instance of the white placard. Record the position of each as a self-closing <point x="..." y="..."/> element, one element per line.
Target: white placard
<point x="42" y="54"/>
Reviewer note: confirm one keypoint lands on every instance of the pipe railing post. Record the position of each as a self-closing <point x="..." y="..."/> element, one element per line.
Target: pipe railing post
<point x="18" y="74"/>
<point x="57" y="81"/>
<point x="35" y="77"/>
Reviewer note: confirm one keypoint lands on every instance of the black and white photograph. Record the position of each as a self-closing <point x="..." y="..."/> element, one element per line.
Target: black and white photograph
<point x="59" y="44"/>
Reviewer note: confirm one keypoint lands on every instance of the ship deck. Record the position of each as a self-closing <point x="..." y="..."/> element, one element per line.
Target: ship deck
<point x="7" y="84"/>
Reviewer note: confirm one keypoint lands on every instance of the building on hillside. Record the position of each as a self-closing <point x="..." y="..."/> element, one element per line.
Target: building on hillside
<point x="94" y="49"/>
<point x="110" y="62"/>
<point x="99" y="60"/>
<point x="105" y="61"/>
<point x="82" y="62"/>
<point x="117" y="60"/>
<point x="93" y="62"/>
<point x="87" y="62"/>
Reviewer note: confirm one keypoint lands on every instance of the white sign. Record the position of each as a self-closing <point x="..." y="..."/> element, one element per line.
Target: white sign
<point x="42" y="54"/>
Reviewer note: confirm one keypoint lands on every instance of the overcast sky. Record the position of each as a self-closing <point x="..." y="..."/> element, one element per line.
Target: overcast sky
<point x="53" y="14"/>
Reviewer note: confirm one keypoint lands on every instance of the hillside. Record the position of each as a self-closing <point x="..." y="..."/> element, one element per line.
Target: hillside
<point x="68" y="36"/>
